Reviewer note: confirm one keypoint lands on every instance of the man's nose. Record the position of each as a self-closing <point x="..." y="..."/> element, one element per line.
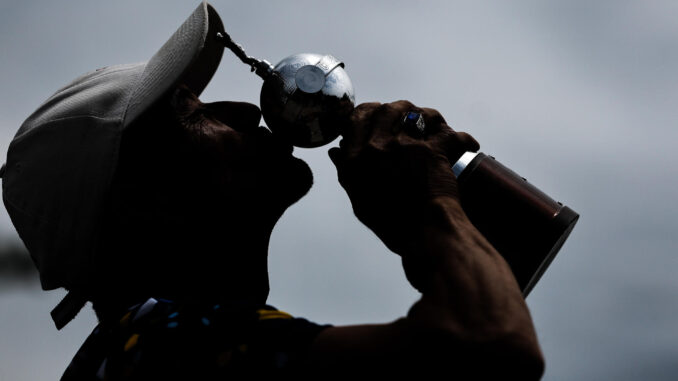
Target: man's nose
<point x="237" y="115"/>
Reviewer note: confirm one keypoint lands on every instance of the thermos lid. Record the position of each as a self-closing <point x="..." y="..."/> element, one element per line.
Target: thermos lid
<point x="463" y="162"/>
<point x="525" y="225"/>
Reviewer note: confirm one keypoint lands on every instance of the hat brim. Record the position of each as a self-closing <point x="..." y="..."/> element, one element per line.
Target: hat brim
<point x="190" y="57"/>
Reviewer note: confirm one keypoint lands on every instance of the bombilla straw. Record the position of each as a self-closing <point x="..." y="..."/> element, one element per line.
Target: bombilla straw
<point x="262" y="68"/>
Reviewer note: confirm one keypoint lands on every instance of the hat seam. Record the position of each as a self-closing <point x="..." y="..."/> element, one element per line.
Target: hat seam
<point x="33" y="131"/>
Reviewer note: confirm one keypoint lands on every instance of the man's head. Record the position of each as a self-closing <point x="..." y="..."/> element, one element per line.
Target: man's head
<point x="118" y="160"/>
<point x="197" y="192"/>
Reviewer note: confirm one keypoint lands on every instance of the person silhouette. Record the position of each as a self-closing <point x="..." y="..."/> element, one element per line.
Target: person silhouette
<point x="133" y="194"/>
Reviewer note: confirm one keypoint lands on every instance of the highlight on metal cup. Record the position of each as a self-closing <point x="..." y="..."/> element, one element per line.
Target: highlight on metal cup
<point x="307" y="99"/>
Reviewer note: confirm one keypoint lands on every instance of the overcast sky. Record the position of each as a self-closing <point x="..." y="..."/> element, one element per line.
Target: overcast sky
<point x="580" y="97"/>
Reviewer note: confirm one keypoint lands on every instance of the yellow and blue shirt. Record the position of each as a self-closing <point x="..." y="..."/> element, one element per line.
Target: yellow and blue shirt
<point x="164" y="340"/>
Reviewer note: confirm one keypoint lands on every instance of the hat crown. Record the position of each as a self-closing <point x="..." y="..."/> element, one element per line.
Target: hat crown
<point x="103" y="94"/>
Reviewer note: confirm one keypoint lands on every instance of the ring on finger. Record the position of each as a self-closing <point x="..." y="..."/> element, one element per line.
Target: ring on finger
<point x="414" y="123"/>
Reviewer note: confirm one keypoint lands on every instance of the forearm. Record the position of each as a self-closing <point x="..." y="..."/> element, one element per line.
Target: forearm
<point x="469" y="293"/>
<point x="402" y="188"/>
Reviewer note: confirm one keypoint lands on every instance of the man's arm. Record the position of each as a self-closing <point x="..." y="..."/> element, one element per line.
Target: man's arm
<point x="471" y="319"/>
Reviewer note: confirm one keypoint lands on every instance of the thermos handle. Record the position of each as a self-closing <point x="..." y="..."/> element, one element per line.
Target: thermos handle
<point x="525" y="225"/>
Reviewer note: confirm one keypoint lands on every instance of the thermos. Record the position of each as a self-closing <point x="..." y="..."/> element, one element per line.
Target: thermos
<point x="526" y="226"/>
<point x="305" y="97"/>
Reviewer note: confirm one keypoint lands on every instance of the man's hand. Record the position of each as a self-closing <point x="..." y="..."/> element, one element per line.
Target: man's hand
<point x="392" y="176"/>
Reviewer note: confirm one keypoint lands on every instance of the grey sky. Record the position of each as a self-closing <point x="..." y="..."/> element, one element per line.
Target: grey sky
<point x="579" y="97"/>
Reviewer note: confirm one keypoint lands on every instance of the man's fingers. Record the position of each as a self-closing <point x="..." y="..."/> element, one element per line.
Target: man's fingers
<point x="434" y="121"/>
<point x="454" y="144"/>
<point x="378" y="125"/>
<point x="358" y="132"/>
<point x="388" y="121"/>
<point x="468" y="142"/>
